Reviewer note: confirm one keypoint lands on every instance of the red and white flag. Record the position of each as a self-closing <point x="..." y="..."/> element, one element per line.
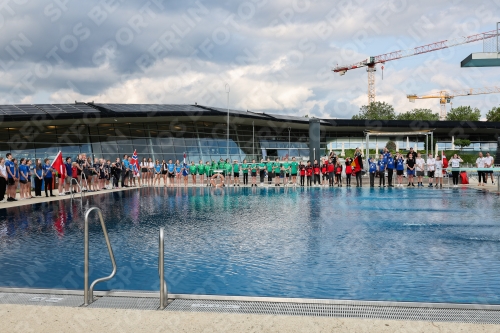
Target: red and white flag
<point x="58" y="165"/>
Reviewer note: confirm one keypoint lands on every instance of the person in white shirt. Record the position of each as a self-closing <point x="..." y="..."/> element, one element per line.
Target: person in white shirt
<point x="151" y="170"/>
<point x="438" y="165"/>
<point x="455" y="168"/>
<point x="480" y="172"/>
<point x="143" y="179"/>
<point x="419" y="165"/>
<point x="431" y="167"/>
<point x="488" y="163"/>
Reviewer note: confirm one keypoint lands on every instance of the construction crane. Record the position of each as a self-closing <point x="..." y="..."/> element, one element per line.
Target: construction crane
<point x="447" y="96"/>
<point x="371" y="62"/>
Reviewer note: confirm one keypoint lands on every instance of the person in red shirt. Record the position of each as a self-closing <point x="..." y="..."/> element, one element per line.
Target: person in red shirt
<point x="74" y="177"/>
<point x="324" y="171"/>
<point x="338" y="173"/>
<point x="331" y="173"/>
<point x="309" y="173"/>
<point x="348" y="171"/>
<point x="317" y="171"/>
<point x="302" y="171"/>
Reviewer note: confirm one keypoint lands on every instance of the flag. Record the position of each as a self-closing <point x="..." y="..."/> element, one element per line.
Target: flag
<point x="135" y="162"/>
<point x="58" y="165"/>
<point x="357" y="164"/>
<point x="445" y="161"/>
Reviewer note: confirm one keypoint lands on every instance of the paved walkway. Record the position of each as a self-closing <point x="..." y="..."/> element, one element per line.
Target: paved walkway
<point x="42" y="319"/>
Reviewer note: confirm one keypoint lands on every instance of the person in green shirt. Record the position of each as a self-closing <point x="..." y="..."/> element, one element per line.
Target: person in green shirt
<point x="294" y="167"/>
<point x="276" y="172"/>
<point x="244" y="169"/>
<point x="253" y="170"/>
<point x="262" y="171"/>
<point x="286" y="167"/>
<point x="270" y="171"/>
<point x="193" y="170"/>
<point x="208" y="171"/>
<point x="236" y="173"/>
<point x="201" y="171"/>
<point x="228" y="168"/>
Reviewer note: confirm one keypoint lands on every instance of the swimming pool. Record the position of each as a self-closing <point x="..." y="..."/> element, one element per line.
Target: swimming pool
<point x="419" y="245"/>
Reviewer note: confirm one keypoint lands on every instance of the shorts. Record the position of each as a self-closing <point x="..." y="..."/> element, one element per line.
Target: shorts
<point x="254" y="173"/>
<point x="420" y="173"/>
<point x="270" y="175"/>
<point x="439" y="174"/>
<point x="287" y="175"/>
<point x="326" y="176"/>
<point x="163" y="172"/>
<point x="23" y="181"/>
<point x="410" y="172"/>
<point x="488" y="171"/>
<point x="282" y="175"/>
<point x="11" y="181"/>
<point x="399" y="172"/>
<point x="67" y="180"/>
<point x="144" y="170"/>
<point x="430" y="174"/>
<point x="73" y="181"/>
<point x="130" y="175"/>
<point x="171" y="175"/>
<point x="237" y="174"/>
<point x="294" y="174"/>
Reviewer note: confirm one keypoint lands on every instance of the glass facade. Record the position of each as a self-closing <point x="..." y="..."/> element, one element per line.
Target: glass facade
<point x="163" y="140"/>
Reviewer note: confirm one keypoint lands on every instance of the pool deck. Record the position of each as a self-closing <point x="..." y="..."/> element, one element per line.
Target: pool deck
<point x="40" y="319"/>
<point x="488" y="187"/>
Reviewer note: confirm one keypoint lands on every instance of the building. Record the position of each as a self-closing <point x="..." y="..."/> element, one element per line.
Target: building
<point x="170" y="131"/>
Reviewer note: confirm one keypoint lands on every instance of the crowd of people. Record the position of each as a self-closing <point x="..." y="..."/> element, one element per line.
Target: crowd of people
<point x="87" y="174"/>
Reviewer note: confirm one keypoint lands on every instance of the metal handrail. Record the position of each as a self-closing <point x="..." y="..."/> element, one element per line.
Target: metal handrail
<point x="88" y="294"/>
<point x="161" y="270"/>
<point x="79" y="186"/>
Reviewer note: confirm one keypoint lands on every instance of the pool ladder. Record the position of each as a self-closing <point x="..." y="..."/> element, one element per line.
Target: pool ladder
<point x="88" y="293"/>
<point x="161" y="271"/>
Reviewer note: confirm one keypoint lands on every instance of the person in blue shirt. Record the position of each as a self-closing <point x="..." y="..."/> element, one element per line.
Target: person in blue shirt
<point x="157" y="176"/>
<point x="126" y="170"/>
<point x="47" y="177"/>
<point x="390" y="169"/>
<point x="171" y="173"/>
<point x="400" y="167"/>
<point x="11" y="178"/>
<point x="185" y="173"/>
<point x="23" y="179"/>
<point x="372" y="170"/>
<point x="38" y="178"/>
<point x="178" y="172"/>
<point x="381" y="165"/>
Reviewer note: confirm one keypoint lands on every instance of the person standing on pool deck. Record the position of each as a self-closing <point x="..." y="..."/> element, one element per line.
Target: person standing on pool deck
<point x="125" y="171"/>
<point x="269" y="171"/>
<point x="277" y="172"/>
<point x="171" y="173"/>
<point x="201" y="172"/>
<point x="400" y="167"/>
<point x="158" y="175"/>
<point x="381" y="165"/>
<point x="390" y="169"/>
<point x="253" y="169"/>
<point x="438" y="164"/>
<point x="47" y="178"/>
<point x="178" y="173"/>
<point x="455" y="168"/>
<point x="431" y="167"/>
<point x="489" y="163"/>
<point x="324" y="173"/>
<point x="208" y="172"/>
<point x="262" y="171"/>
<point x="228" y="170"/>
<point x="193" y="171"/>
<point x="309" y="173"/>
<point x="332" y="175"/>
<point x="348" y="171"/>
<point x="317" y="171"/>
<point x="244" y="169"/>
<point x="410" y="169"/>
<point x="11" y="178"/>
<point x="236" y="173"/>
<point x="372" y="171"/>
<point x="338" y="173"/>
<point x="302" y="169"/>
<point x="286" y="165"/>
<point x="3" y="179"/>
<point x="294" y="168"/>
<point x="185" y="173"/>
<point x="420" y="166"/>
<point x="23" y="179"/>
<point x="480" y="173"/>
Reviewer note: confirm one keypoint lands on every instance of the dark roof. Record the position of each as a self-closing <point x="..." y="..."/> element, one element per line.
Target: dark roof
<point x="412" y="125"/>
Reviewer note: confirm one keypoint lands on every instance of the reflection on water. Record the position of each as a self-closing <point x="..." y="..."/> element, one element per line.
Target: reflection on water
<point x="370" y="244"/>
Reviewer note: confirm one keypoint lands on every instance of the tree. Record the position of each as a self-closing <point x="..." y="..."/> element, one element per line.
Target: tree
<point x="464" y="113"/>
<point x="391" y="145"/>
<point x="462" y="143"/>
<point x="376" y="111"/>
<point x="418" y="114"/>
<point x="493" y="114"/>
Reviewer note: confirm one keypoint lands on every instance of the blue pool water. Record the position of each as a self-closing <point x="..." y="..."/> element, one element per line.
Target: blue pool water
<point x="366" y="244"/>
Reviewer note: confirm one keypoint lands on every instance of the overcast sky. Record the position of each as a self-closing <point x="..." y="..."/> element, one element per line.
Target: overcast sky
<point x="276" y="56"/>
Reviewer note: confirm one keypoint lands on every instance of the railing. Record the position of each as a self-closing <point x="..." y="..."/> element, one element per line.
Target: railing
<point x="88" y="294"/>
<point x="79" y="186"/>
<point x="161" y="271"/>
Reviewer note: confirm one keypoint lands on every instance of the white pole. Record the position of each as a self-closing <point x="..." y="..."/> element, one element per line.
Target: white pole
<point x="407" y="143"/>
<point x="226" y="86"/>
<point x="452" y="143"/>
<point x="437" y="149"/>
<point x="397" y="146"/>
<point x="343" y="151"/>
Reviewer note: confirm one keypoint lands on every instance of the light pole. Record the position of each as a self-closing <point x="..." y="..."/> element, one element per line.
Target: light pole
<point x="289" y="129"/>
<point x="226" y="86"/>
